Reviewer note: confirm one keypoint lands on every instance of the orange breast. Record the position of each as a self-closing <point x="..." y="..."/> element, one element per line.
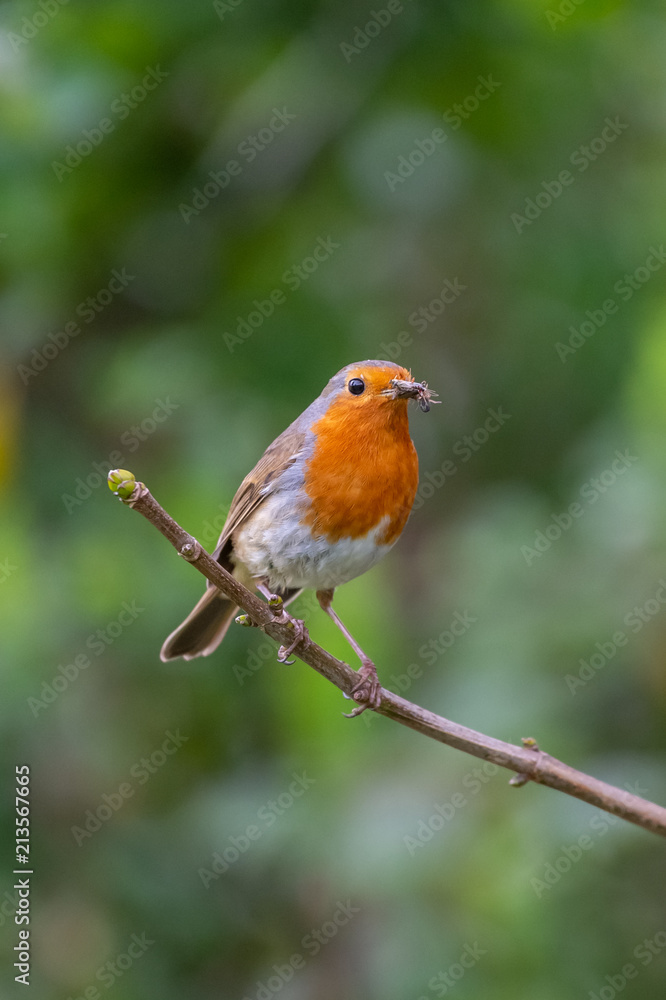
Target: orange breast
<point x="363" y="468"/>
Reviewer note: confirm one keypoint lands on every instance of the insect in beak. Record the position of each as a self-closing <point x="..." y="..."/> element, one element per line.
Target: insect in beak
<point x="403" y="389"/>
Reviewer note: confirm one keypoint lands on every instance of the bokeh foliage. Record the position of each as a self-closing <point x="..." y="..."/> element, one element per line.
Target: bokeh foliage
<point x="162" y="346"/>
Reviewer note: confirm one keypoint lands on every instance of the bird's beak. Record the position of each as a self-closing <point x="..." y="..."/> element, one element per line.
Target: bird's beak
<point x="402" y="389"/>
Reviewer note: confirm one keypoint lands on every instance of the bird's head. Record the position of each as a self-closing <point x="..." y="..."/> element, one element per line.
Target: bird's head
<point x="369" y="384"/>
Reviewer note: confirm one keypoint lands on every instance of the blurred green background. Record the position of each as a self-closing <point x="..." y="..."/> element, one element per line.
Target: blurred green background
<point x="488" y="182"/>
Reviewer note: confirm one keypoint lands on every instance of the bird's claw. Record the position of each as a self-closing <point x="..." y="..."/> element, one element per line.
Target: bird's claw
<point x="284" y="652"/>
<point x="367" y="691"/>
<point x="276" y="604"/>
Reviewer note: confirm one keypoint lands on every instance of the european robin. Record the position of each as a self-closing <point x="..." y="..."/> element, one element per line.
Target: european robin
<point x="325" y="502"/>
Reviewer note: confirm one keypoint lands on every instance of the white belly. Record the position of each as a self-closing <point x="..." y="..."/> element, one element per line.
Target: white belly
<point x="272" y="544"/>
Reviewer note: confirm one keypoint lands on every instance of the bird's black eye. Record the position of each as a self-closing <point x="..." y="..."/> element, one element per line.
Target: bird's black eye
<point x="356" y="386"/>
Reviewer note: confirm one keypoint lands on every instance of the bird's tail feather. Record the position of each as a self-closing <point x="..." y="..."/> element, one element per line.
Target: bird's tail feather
<point x="203" y="630"/>
<point x="206" y="625"/>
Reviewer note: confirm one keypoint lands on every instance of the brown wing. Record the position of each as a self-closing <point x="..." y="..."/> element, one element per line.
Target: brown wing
<point x="205" y="627"/>
<point x="258" y="484"/>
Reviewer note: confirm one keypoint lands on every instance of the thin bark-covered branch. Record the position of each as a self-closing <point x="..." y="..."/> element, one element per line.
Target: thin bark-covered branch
<point x="529" y="763"/>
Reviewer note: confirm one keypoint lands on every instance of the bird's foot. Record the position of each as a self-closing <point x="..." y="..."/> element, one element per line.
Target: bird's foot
<point x="367" y="691"/>
<point x="300" y="633"/>
<point x="276" y="604"/>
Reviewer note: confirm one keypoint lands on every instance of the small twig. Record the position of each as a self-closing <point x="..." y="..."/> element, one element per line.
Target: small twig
<point x="529" y="763"/>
